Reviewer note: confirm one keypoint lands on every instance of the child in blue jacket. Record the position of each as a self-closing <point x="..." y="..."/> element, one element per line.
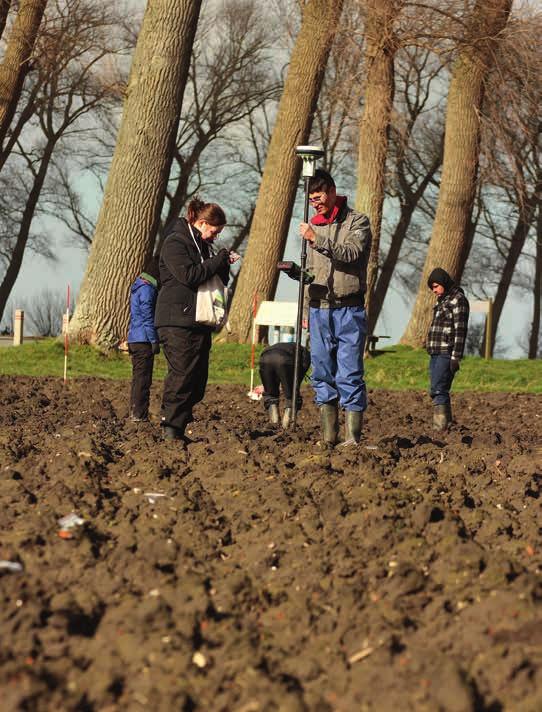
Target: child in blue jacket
<point x="143" y="339"/>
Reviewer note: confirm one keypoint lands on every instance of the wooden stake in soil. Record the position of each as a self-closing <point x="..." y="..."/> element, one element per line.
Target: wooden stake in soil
<point x="66" y="325"/>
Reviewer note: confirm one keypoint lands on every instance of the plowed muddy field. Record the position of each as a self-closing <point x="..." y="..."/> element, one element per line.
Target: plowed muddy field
<point x="254" y="571"/>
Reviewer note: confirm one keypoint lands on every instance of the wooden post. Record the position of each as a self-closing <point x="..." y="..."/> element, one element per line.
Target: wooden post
<point x="18" y="329"/>
<point x="489" y="330"/>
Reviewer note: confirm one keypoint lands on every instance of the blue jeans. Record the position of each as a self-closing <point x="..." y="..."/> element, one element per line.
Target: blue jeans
<point x="337" y="345"/>
<point x="441" y="378"/>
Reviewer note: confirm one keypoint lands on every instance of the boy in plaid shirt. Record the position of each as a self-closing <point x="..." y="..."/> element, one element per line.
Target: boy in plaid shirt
<point x="445" y="342"/>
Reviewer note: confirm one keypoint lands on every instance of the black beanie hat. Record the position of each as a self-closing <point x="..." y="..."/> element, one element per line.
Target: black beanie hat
<point x="442" y="277"/>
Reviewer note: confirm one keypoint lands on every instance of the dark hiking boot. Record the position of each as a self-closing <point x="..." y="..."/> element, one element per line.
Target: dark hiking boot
<point x="286" y="418"/>
<point x="353" y="422"/>
<point x="273" y="413"/>
<point x="442" y="417"/>
<point x="329" y="421"/>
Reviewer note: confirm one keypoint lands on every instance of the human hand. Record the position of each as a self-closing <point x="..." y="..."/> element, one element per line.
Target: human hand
<point x="454" y="365"/>
<point x="234" y="256"/>
<point x="306" y="232"/>
<point x="155" y="348"/>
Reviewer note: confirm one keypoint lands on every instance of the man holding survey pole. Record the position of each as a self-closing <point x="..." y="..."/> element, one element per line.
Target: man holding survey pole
<point x="340" y="241"/>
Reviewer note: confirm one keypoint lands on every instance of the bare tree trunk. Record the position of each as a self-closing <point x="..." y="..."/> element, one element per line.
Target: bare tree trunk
<point x="16" y="62"/>
<point x="281" y="173"/>
<point x="374" y="129"/>
<point x="517" y="242"/>
<point x="537" y="288"/>
<point x="136" y="185"/>
<point x="17" y="255"/>
<point x="4" y="12"/>
<point x="412" y="198"/>
<point x="449" y="239"/>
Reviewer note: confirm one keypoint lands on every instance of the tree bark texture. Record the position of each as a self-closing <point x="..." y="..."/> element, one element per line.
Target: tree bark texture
<point x="137" y="180"/>
<point x="276" y="196"/>
<point x="534" y="337"/>
<point x="450" y="234"/>
<point x="17" y="59"/>
<point x="380" y="43"/>
<point x="4" y="12"/>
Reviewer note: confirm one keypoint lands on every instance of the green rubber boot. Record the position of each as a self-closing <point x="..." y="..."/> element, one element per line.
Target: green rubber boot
<point x="353" y="422"/>
<point x="329" y="421"/>
<point x="273" y="413"/>
<point x="442" y="417"/>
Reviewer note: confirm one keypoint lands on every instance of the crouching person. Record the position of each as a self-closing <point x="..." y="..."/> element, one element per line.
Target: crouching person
<point x="445" y="342"/>
<point x="143" y="339"/>
<point x="277" y="364"/>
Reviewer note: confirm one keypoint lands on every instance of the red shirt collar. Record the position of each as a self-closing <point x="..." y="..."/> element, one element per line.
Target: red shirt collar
<point x="328" y="219"/>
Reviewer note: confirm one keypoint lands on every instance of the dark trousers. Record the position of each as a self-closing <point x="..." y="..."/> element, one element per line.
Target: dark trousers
<point x="441" y="378"/>
<point x="142" y="363"/>
<point x="277" y="369"/>
<point x="187" y="355"/>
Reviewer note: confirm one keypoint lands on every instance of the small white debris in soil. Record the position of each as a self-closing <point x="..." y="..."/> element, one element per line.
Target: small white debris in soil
<point x="271" y="545"/>
<point x="441" y="458"/>
<point x="166" y="639"/>
<point x="242" y="452"/>
<point x="136" y="490"/>
<point x="83" y="453"/>
<point x="199" y="659"/>
<point x="392" y="564"/>
<point x="356" y="657"/>
<point x="70" y="522"/>
<point x="18" y="603"/>
<point x="170" y="541"/>
<point x="12" y="566"/>
<point x="154" y="592"/>
<point x="155" y="516"/>
<point x="499" y="506"/>
<point x="273" y="568"/>
<point x="461" y="605"/>
<point x="371" y="447"/>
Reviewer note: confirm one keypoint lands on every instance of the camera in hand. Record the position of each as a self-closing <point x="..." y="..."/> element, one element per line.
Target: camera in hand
<point x="293" y="270"/>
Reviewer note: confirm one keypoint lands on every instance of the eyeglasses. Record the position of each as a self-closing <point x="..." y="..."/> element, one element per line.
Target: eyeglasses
<point x="317" y="198"/>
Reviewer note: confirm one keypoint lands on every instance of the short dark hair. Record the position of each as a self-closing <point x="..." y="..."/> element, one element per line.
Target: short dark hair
<point x="321" y="181"/>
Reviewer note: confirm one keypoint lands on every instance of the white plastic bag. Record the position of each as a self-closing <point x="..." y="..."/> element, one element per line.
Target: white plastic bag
<point x="211" y="303"/>
<point x="211" y="299"/>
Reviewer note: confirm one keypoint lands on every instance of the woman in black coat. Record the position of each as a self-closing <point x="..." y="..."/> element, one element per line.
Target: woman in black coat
<point x="186" y="261"/>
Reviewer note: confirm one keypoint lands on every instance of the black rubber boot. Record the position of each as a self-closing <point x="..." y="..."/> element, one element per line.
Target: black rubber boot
<point x="353" y="422"/>
<point x="442" y="417"/>
<point x="273" y="413"/>
<point x="171" y="433"/>
<point x="329" y="421"/>
<point x="286" y="418"/>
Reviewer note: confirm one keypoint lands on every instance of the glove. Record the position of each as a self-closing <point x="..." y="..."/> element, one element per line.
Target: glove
<point x="155" y="348"/>
<point x="222" y="258"/>
<point x="454" y="365"/>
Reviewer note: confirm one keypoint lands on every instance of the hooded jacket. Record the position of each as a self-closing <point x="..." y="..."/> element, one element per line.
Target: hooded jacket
<point x="448" y="331"/>
<point x="181" y="273"/>
<point x="142" y="303"/>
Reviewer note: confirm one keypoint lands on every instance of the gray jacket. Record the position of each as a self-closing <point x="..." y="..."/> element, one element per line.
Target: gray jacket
<point x="338" y="260"/>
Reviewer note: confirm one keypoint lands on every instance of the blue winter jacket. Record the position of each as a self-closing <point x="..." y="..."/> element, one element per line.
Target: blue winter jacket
<point x="142" y="303"/>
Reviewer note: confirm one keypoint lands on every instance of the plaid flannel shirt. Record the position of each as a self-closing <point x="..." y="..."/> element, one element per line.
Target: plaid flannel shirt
<point x="448" y="330"/>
